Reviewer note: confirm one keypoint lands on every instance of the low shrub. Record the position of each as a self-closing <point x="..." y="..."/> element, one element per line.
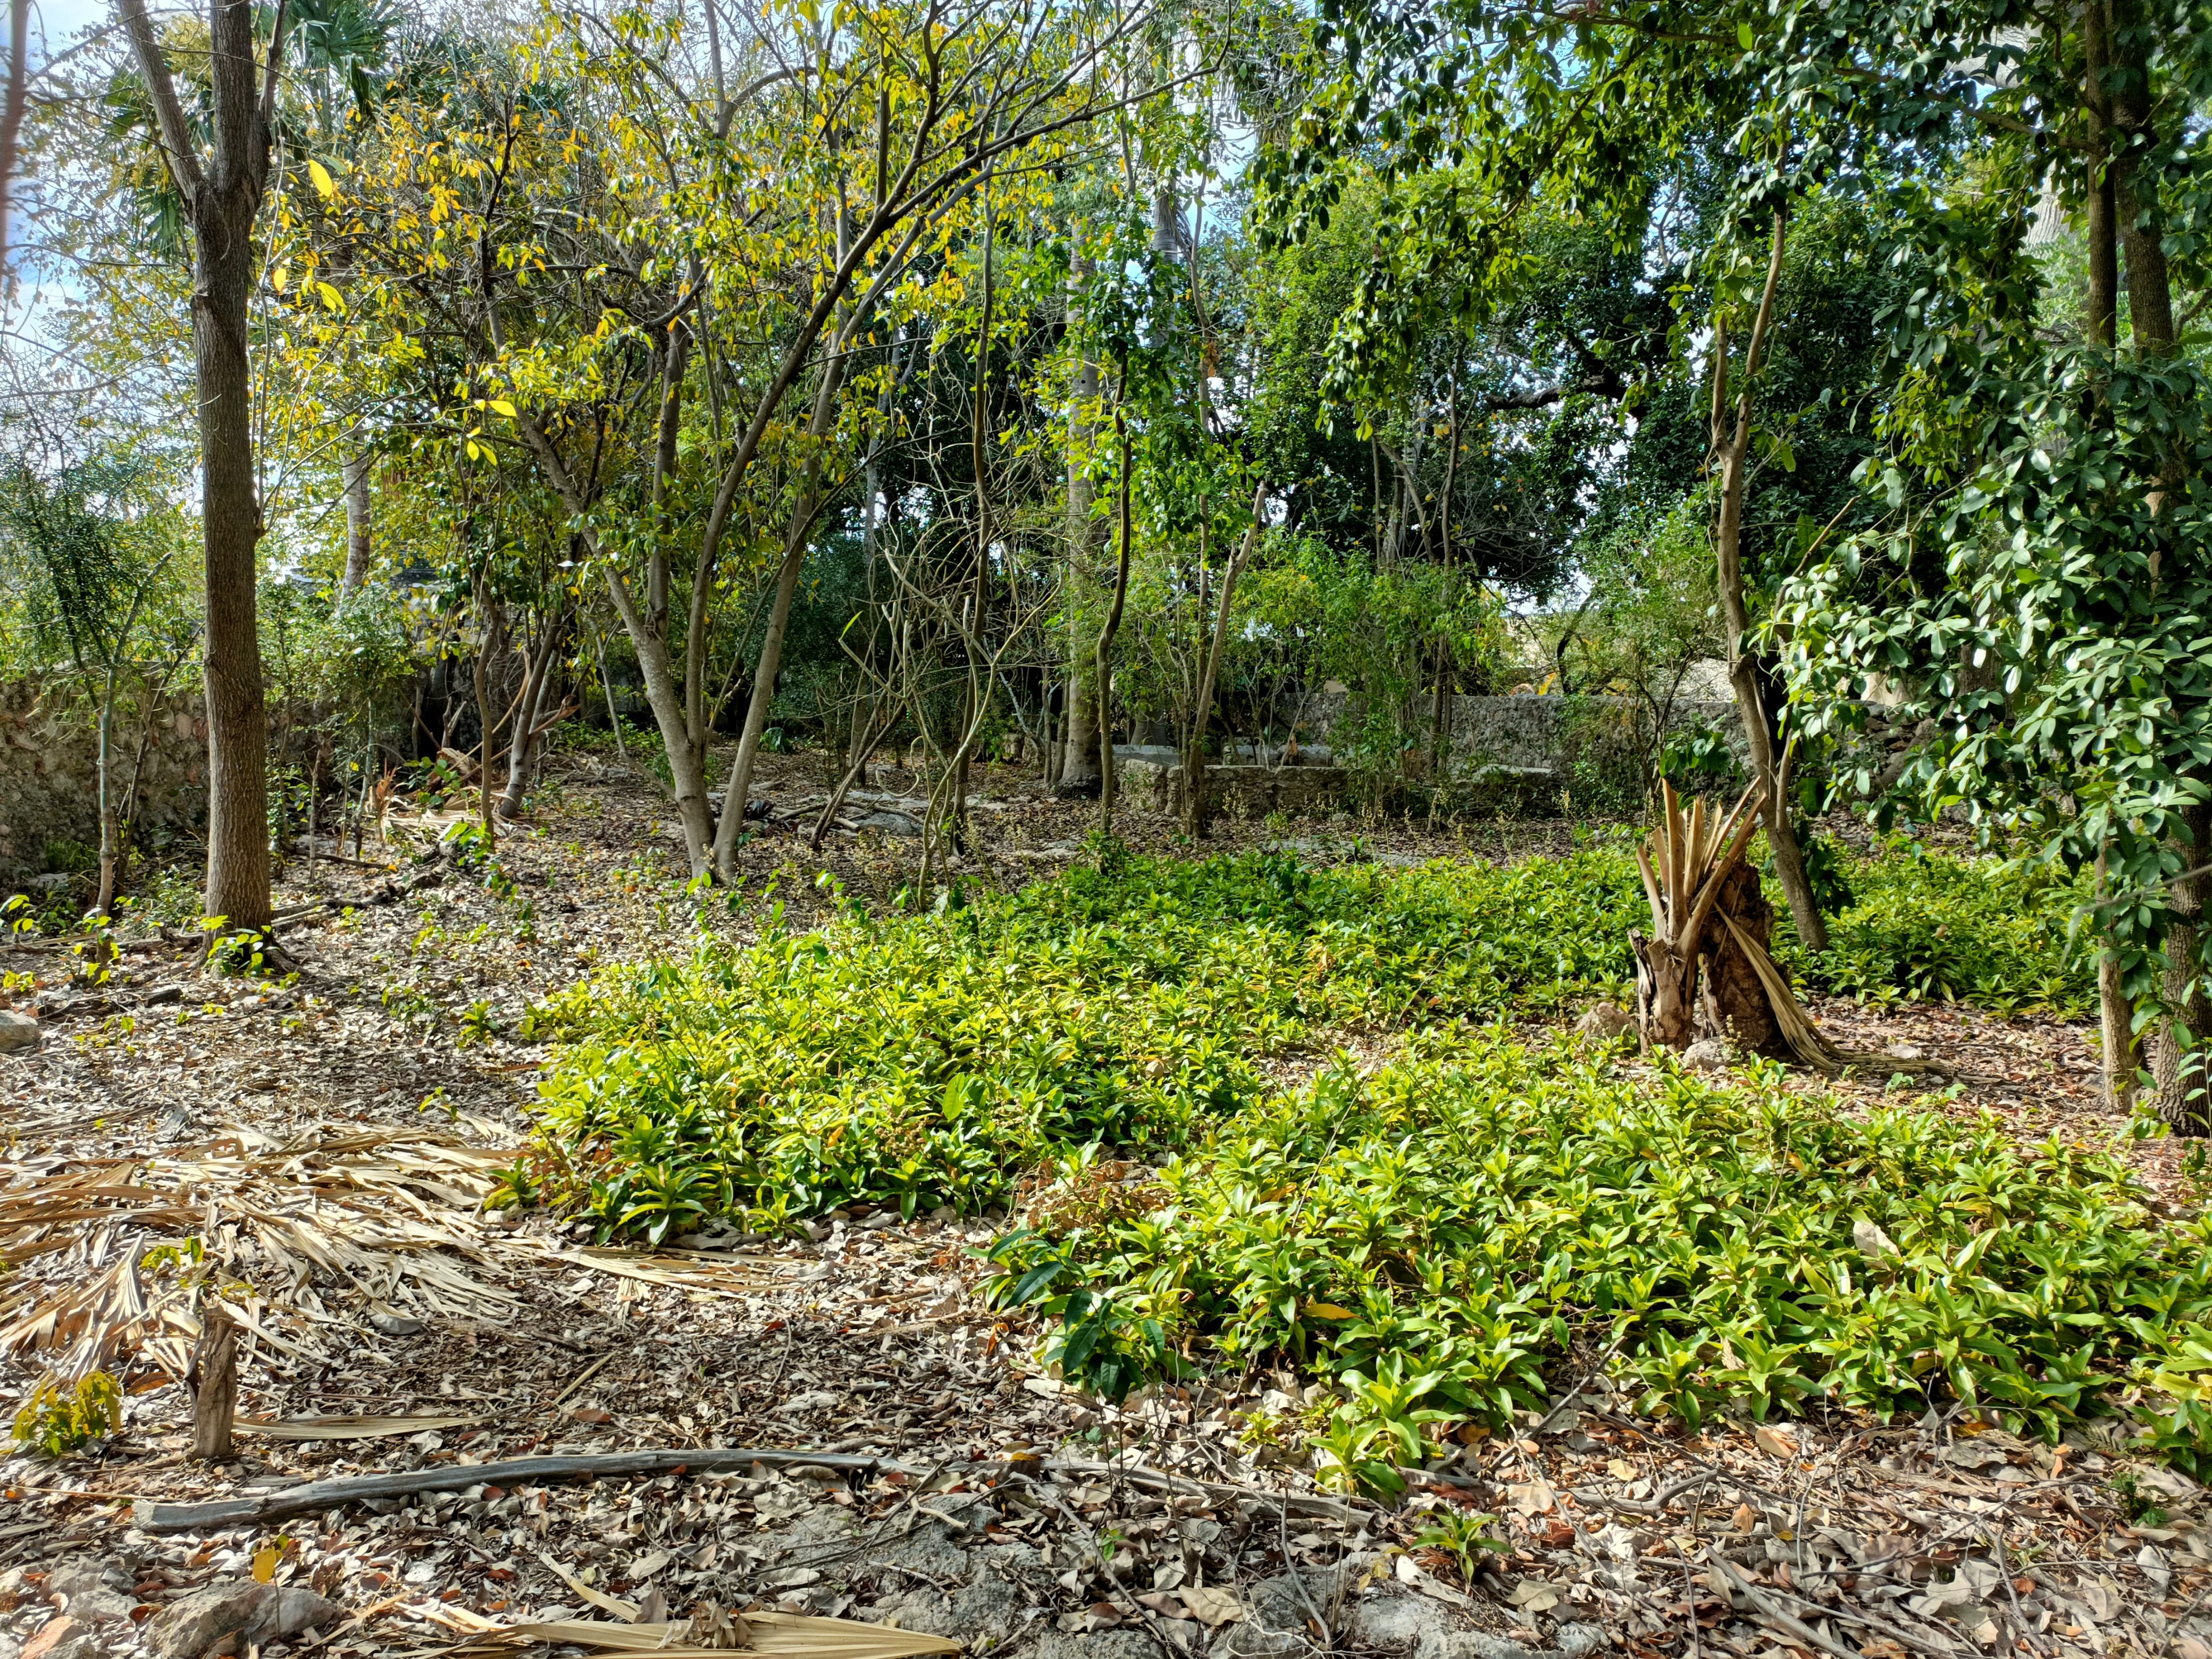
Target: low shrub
<point x="57" y="1418"/>
<point x="1936" y="926"/>
<point x="1441" y="1234"/>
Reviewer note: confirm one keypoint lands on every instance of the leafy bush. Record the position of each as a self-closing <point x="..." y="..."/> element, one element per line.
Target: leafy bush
<point x="56" y="1420"/>
<point x="1938" y="927"/>
<point x="1437" y="1236"/>
<point x="921" y="1059"/>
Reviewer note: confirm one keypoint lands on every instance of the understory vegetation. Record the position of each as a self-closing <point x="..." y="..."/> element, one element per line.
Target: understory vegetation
<point x="1439" y="1233"/>
<point x="1442" y="1235"/>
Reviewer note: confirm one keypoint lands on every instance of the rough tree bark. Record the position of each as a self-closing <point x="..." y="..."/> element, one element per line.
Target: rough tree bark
<point x="221" y="198"/>
<point x="1731" y="999"/>
<point x="214" y="1379"/>
<point x="2185" y="1037"/>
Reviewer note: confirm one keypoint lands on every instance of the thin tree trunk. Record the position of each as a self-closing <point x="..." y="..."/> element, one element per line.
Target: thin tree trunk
<point x="607" y="686"/>
<point x="1731" y="438"/>
<point x="1197" y="793"/>
<point x="978" y="687"/>
<point x="523" y="745"/>
<point x="1104" y="660"/>
<point x="2115" y="1012"/>
<point x="736" y="796"/>
<point x="1078" y="772"/>
<point x="357" y="507"/>
<point x="490" y="611"/>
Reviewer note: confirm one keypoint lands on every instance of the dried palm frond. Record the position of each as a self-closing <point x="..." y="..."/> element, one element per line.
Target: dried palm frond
<point x="1805" y="1038"/>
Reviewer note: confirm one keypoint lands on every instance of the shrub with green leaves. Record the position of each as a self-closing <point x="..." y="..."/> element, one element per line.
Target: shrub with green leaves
<point x="1439" y="1235"/>
<point x="57" y="1418"/>
<point x="1945" y="927"/>
<point x="925" y="1060"/>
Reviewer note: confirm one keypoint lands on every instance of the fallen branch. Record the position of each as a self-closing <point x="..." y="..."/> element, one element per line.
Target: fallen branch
<point x="333" y="1494"/>
<point x="1775" y="1614"/>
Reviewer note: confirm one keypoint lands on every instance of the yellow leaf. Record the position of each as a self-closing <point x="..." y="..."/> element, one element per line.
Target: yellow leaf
<point x="501" y="406"/>
<point x="279" y="276"/>
<point x="265" y="1564"/>
<point x="319" y="176"/>
<point x="1329" y="1311"/>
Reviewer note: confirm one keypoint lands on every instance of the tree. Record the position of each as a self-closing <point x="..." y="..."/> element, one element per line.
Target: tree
<point x="2037" y="583"/>
<point x="222" y="188"/>
<point x="85" y="528"/>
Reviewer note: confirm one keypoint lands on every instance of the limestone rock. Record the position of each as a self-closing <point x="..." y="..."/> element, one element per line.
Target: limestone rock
<point x="1604" y="1026"/>
<point x="19" y="1033"/>
<point x="259" y="1613"/>
<point x="1706" y="1054"/>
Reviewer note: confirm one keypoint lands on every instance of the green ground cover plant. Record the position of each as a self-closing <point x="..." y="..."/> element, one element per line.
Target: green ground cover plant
<point x="1924" y="926"/>
<point x="924" y="1060"/>
<point x="1441" y="1234"/>
<point x="920" y="1059"/>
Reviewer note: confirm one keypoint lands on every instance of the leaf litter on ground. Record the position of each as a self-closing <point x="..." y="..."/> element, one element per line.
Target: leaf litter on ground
<point x="222" y="1116"/>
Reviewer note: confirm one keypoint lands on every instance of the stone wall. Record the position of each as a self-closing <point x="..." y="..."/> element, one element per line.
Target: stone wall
<point x="49" y="776"/>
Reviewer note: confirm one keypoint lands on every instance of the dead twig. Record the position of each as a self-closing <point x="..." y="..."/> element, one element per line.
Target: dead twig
<point x="332" y="1494"/>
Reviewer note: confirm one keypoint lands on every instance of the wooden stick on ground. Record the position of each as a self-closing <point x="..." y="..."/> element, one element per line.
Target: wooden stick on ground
<point x="333" y="1494"/>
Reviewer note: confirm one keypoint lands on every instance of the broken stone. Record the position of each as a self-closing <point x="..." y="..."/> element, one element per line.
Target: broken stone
<point x="1605" y="1026"/>
<point x="19" y="1033"/>
<point x="260" y="1614"/>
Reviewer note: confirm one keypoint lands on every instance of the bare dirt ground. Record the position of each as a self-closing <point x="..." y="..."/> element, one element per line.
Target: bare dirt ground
<point x="313" y="1154"/>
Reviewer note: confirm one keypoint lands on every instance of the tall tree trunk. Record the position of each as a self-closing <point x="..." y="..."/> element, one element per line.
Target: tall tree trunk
<point x="357" y="466"/>
<point x="1103" y="663"/>
<point x="238" y="719"/>
<point x="221" y="199"/>
<point x="2185" y="1037"/>
<point x="1078" y="771"/>
<point x="2115" y="1011"/>
<point x="979" y="609"/>
<point x="1731" y="440"/>
<point x="796" y="540"/>
<point x="1197" y="791"/>
<point x="11" y="116"/>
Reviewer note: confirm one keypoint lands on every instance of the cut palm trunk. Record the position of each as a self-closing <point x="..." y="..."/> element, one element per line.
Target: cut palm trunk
<point x="1684" y="871"/>
<point x="1709" y="966"/>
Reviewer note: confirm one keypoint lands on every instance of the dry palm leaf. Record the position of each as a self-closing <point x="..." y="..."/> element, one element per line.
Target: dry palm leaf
<point x="1683" y="870"/>
<point x="1804" y="1038"/>
<point x="772" y="1632"/>
<point x="346" y="1428"/>
<point x="333" y="1228"/>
